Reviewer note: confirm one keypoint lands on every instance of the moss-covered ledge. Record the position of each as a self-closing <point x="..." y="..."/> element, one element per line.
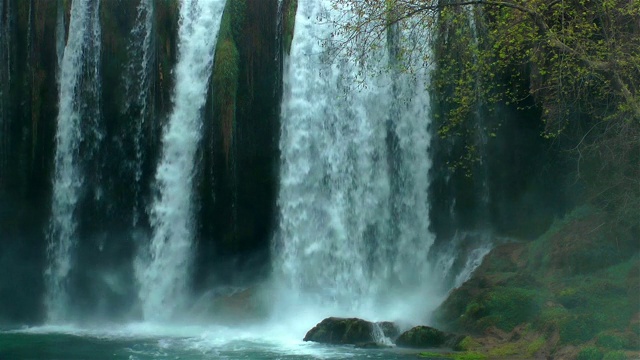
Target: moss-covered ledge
<point x="226" y="70"/>
<point x="290" y="8"/>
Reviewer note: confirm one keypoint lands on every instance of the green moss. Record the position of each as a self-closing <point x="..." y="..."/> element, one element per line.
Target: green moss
<point x="539" y="249"/>
<point x="468" y="343"/>
<point x="590" y="353"/>
<point x="535" y="346"/>
<point x="507" y="307"/>
<point x="615" y="355"/>
<point x="471" y="355"/>
<point x="226" y="71"/>
<point x="611" y="341"/>
<point x="552" y="318"/>
<point x="571" y="298"/>
<point x="509" y="349"/>
<point x="579" y="329"/>
<point x="289" y="24"/>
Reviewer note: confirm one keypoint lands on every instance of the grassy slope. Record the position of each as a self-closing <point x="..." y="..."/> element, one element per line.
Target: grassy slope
<point x="572" y="293"/>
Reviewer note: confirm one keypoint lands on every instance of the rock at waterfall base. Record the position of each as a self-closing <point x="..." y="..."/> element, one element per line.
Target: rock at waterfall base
<point x="335" y="330"/>
<point x="352" y="331"/>
<point x="428" y="337"/>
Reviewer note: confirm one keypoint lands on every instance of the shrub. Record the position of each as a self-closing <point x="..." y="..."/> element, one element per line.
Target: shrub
<point x="590" y="353"/>
<point x="579" y="329"/>
<point x="615" y="355"/>
<point x="508" y="307"/>
<point x="611" y="341"/>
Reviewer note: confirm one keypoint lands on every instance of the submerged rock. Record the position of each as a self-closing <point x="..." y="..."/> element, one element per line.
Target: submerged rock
<point x="428" y="337"/>
<point x="342" y="331"/>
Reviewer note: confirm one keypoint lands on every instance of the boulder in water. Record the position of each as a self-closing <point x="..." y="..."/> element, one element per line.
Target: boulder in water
<point x="335" y="330"/>
<point x="427" y="337"/>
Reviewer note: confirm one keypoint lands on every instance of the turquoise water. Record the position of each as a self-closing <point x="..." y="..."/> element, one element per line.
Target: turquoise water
<point x="141" y="342"/>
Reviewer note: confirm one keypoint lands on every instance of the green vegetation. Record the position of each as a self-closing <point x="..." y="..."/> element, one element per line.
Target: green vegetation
<point x="590" y="353"/>
<point x="291" y="7"/>
<point x="455" y="356"/>
<point x="615" y="355"/>
<point x="468" y="343"/>
<point x="226" y="71"/>
<point x="570" y="65"/>
<point x="559" y="292"/>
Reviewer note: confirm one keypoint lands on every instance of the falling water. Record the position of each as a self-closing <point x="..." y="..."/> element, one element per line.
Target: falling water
<point x="348" y="231"/>
<point x="61" y="36"/>
<point x="78" y="86"/>
<point x="163" y="269"/>
<point x="412" y="163"/>
<point x="138" y="88"/>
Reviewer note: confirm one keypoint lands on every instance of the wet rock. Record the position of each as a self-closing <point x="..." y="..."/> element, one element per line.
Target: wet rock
<point x="342" y="331"/>
<point x="428" y="337"/>
<point x="390" y="329"/>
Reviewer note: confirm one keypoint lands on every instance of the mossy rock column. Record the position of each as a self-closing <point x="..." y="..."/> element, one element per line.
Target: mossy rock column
<point x="238" y="178"/>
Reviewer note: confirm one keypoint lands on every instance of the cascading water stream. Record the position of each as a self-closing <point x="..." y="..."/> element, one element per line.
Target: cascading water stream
<point x="334" y="183"/>
<point x="163" y="268"/>
<point x="353" y="224"/>
<point x="410" y="123"/>
<point x="61" y="35"/>
<point x="77" y="116"/>
<point x="138" y="88"/>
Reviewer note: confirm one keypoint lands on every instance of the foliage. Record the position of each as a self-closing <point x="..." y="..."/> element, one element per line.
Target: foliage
<point x="575" y="51"/>
<point x="226" y="69"/>
<point x="509" y="349"/>
<point x="470" y="355"/>
<point x="611" y="341"/>
<point x="590" y="353"/>
<point x="615" y="355"/>
<point x="291" y="7"/>
<point x="507" y="307"/>
<point x="468" y="343"/>
<point x="577" y="61"/>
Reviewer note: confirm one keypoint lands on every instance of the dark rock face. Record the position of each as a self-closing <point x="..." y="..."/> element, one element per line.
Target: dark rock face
<point x="427" y="337"/>
<point x="341" y="331"/>
<point x="238" y="181"/>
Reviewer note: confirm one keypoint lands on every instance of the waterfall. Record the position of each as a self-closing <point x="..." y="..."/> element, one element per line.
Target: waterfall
<point x="354" y="211"/>
<point x="163" y="268"/>
<point x="410" y="142"/>
<point x="61" y="37"/>
<point x="77" y="123"/>
<point x="139" y="98"/>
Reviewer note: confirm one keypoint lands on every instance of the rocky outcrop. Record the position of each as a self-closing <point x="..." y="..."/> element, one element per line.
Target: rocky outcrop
<point x="362" y="333"/>
<point x="240" y="149"/>
<point x="341" y="331"/>
<point x="353" y="331"/>
<point x="428" y="337"/>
